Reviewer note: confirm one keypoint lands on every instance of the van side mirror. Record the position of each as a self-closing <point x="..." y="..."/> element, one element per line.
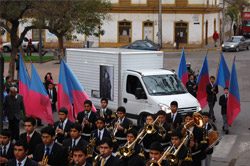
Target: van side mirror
<point x="140" y="93"/>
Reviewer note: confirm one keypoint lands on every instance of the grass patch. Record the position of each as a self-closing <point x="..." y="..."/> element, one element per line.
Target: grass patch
<point x="34" y="59"/>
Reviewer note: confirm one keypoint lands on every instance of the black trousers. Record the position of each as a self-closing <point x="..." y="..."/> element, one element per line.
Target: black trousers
<point x="14" y="128"/>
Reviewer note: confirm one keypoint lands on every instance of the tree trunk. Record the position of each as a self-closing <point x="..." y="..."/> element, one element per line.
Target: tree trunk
<point x="61" y="47"/>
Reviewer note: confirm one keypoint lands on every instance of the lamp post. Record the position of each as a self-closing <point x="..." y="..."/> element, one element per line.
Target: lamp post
<point x="1" y="86"/>
<point x="223" y="22"/>
<point x="160" y="24"/>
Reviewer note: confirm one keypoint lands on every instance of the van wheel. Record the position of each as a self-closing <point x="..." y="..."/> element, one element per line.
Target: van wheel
<point x="142" y="119"/>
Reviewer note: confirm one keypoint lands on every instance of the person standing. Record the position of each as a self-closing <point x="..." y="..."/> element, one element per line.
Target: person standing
<point x="223" y="104"/>
<point x="29" y="47"/>
<point x="211" y="90"/>
<point x="51" y="90"/>
<point x="13" y="106"/>
<point x="215" y="37"/>
<point x="105" y="112"/>
<point x="6" y="147"/>
<point x="80" y="157"/>
<point x="192" y="86"/>
<point x="235" y="29"/>
<point x="174" y="118"/>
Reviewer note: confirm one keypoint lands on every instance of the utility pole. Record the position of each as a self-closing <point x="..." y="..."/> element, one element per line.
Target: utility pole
<point x="40" y="45"/>
<point x="160" y="24"/>
<point x="223" y="22"/>
<point x="1" y="85"/>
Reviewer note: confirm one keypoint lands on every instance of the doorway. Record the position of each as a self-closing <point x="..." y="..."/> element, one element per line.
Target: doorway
<point x="181" y="32"/>
<point x="148" y="30"/>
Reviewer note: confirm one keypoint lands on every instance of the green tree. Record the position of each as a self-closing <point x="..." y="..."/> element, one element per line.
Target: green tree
<point x="61" y="18"/>
<point x="12" y="14"/>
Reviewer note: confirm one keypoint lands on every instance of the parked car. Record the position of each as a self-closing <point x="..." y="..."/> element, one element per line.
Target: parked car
<point x="236" y="43"/>
<point x="143" y="45"/>
<point x="35" y="45"/>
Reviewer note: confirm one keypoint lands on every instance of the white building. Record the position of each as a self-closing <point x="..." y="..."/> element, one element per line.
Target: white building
<point x="193" y="20"/>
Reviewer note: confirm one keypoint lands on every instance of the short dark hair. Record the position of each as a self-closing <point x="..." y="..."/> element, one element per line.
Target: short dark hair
<point x="78" y="148"/>
<point x="101" y="119"/>
<point x="156" y="146"/>
<point x="105" y="99"/>
<point x="133" y="132"/>
<point x="176" y="133"/>
<point x="161" y="112"/>
<point x="20" y="143"/>
<point x="88" y="102"/>
<point x="226" y="88"/>
<point x="174" y="103"/>
<point x="212" y="77"/>
<point x="48" y="130"/>
<point x="121" y="109"/>
<point x="31" y="120"/>
<point x="76" y="126"/>
<point x="108" y="141"/>
<point x="6" y="132"/>
<point x="64" y="110"/>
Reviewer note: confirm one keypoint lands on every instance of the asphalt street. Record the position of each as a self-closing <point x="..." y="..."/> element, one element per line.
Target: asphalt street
<point x="233" y="149"/>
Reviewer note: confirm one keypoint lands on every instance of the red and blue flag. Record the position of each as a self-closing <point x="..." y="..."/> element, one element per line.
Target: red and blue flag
<point x="182" y="71"/>
<point x="39" y="103"/>
<point x="71" y="94"/>
<point x="202" y="81"/>
<point x="233" y="102"/>
<point x="223" y="74"/>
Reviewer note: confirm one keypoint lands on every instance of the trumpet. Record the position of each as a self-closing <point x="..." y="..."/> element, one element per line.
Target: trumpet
<point x="159" y="162"/>
<point x="45" y="160"/>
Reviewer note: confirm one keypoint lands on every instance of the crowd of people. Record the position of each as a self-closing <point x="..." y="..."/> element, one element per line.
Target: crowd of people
<point x="107" y="138"/>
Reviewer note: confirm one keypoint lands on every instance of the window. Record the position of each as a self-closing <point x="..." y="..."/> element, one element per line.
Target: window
<point x="148" y="30"/>
<point x="135" y="88"/>
<point x="124" y="32"/>
<point x="35" y="34"/>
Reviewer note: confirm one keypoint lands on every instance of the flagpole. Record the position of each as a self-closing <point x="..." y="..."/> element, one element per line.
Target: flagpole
<point x="218" y="68"/>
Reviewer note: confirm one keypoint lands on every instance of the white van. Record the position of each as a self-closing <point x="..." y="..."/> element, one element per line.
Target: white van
<point x="134" y="79"/>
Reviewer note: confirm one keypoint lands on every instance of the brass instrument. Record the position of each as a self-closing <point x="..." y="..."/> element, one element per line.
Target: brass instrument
<point x="91" y="146"/>
<point x="97" y="159"/>
<point x="164" y="155"/>
<point x="45" y="160"/>
<point x="161" y="130"/>
<point x="197" y="121"/>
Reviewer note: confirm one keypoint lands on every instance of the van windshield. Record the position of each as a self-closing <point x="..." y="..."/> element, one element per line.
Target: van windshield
<point x="163" y="85"/>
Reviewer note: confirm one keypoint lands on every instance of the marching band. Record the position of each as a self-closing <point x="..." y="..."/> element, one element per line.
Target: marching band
<point x="106" y="138"/>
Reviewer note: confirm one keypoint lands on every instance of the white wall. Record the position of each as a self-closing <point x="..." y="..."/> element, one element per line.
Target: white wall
<point x="138" y="1"/>
<point x="168" y="1"/>
<point x="210" y="18"/>
<point x="197" y="1"/>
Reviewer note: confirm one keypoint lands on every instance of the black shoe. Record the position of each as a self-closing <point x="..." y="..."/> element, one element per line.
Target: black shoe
<point x="223" y="128"/>
<point x="226" y="132"/>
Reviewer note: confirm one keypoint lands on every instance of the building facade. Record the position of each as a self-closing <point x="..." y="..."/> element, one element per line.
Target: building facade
<point x="191" y="22"/>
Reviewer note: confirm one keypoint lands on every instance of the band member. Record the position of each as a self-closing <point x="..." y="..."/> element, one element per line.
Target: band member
<point x="7" y="148"/>
<point x="21" y="158"/>
<point x="121" y="126"/>
<point x="51" y="90"/>
<point x="208" y="127"/>
<point x="137" y="157"/>
<point x="30" y="138"/>
<point x="87" y="118"/>
<point x="149" y="138"/>
<point x="100" y="132"/>
<point x="62" y="127"/>
<point x="174" y="118"/>
<point x="105" y="112"/>
<point x="192" y="86"/>
<point x="49" y="149"/>
<point x="164" y="129"/>
<point x="79" y="157"/>
<point x="106" y="149"/>
<point x="182" y="151"/>
<point x="211" y="90"/>
<point x="155" y="154"/>
<point x="223" y="104"/>
<point x="75" y="138"/>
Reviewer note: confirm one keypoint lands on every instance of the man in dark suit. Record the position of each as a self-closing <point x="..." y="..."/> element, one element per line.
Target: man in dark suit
<point x="13" y="106"/>
<point x="211" y="90"/>
<point x="87" y="118"/>
<point x="21" y="158"/>
<point x="7" y="148"/>
<point x="75" y="138"/>
<point x="30" y="138"/>
<point x="223" y="104"/>
<point x="106" y="149"/>
<point x="192" y="86"/>
<point x="51" y="90"/>
<point x="105" y="112"/>
<point x="120" y="126"/>
<point x="62" y="127"/>
<point x="80" y="157"/>
<point x="174" y="118"/>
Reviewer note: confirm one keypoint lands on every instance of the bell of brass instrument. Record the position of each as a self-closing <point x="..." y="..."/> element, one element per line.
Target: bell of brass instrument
<point x="45" y="160"/>
<point x="91" y="146"/>
<point x="97" y="159"/>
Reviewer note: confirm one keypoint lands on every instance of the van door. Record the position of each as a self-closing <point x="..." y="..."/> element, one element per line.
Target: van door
<point x="134" y="97"/>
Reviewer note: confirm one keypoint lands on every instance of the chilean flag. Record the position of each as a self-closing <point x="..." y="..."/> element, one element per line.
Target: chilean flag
<point x="24" y="81"/>
<point x="233" y="102"/>
<point x="182" y="71"/>
<point x="223" y="74"/>
<point x="39" y="103"/>
<point x="202" y="81"/>
<point x="70" y="92"/>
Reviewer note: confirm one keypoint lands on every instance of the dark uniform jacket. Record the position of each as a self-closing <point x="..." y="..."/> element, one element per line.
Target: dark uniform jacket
<point x="107" y="115"/>
<point x="112" y="161"/>
<point x="223" y="104"/>
<point x="211" y="92"/>
<point x="34" y="141"/>
<point x="66" y="129"/>
<point x="177" y="121"/>
<point x="67" y="143"/>
<point x="190" y="87"/>
<point x="134" y="160"/>
<point x="28" y="162"/>
<point x="87" y="129"/>
<point x="106" y="134"/>
<point x="13" y="106"/>
<point x="9" y="152"/>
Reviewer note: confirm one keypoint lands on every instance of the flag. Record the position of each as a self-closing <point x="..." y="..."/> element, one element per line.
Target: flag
<point x="71" y="94"/>
<point x="39" y="103"/>
<point x="182" y="71"/>
<point x="233" y="102"/>
<point x="202" y="81"/>
<point x="223" y="74"/>
<point x="24" y="80"/>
